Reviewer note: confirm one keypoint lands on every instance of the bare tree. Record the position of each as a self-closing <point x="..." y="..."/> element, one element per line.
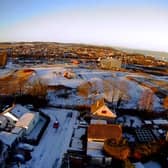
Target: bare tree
<point x="37" y="88"/>
<point x="123" y="88"/>
<point x="117" y="90"/>
<point x="146" y="100"/>
<point x="89" y="90"/>
<point x="110" y="89"/>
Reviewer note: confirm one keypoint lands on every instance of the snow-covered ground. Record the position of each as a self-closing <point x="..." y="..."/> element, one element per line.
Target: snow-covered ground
<point x="54" y="142"/>
<point x="152" y="164"/>
<point x="54" y="76"/>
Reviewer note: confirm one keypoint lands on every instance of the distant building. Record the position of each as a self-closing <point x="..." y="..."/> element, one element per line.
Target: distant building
<point x="28" y="121"/>
<point x="110" y="63"/>
<point x="99" y="109"/>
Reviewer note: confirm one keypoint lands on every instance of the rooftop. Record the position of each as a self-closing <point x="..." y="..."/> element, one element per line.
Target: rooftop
<point x="100" y="132"/>
<point x="7" y="138"/>
<point x="25" y="120"/>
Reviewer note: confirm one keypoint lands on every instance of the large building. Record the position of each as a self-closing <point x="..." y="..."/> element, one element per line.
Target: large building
<point x="110" y="63"/>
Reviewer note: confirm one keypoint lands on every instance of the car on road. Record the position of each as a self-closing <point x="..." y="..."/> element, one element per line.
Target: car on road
<point x="56" y="124"/>
<point x="25" y="146"/>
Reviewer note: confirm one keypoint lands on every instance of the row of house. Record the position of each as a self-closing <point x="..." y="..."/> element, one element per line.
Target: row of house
<point x="100" y="132"/>
<point x="13" y="129"/>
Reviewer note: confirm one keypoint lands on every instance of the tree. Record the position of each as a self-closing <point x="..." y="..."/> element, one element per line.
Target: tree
<point x="122" y="91"/>
<point x="117" y="90"/>
<point x="146" y="100"/>
<point x="37" y="88"/>
<point x="165" y="102"/>
<point x="3" y="58"/>
<point x="110" y="89"/>
<point x="89" y="89"/>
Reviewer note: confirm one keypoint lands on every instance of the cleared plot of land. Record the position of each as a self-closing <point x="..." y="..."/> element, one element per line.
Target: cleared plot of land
<point x="14" y="81"/>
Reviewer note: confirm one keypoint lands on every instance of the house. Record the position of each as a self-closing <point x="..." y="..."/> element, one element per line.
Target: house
<point x="20" y="132"/>
<point x="110" y="63"/>
<point x="97" y="134"/>
<point x="101" y="132"/>
<point x="99" y="109"/>
<point x="96" y="154"/>
<point x="3" y="154"/>
<point x="3" y="122"/>
<point x="28" y="121"/>
<point x="8" y="138"/>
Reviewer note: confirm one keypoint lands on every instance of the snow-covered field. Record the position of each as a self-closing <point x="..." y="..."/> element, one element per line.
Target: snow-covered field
<point x="54" y="76"/>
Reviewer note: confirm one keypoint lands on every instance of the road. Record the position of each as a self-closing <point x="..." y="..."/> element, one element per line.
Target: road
<point x="54" y="142"/>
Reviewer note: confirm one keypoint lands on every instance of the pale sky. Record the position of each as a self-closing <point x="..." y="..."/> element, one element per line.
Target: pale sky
<point x="125" y="23"/>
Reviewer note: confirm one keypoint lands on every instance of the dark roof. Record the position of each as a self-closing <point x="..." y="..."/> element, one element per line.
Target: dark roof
<point x="104" y="131"/>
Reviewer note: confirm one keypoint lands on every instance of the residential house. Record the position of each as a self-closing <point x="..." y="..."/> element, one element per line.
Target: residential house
<point x="8" y="138"/>
<point x="28" y="121"/>
<point x="99" y="109"/>
<point x="3" y="154"/>
<point x="101" y="132"/>
<point x="3" y="122"/>
<point x="97" y="134"/>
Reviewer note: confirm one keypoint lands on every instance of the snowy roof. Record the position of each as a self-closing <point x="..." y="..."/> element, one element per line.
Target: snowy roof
<point x="25" y="120"/>
<point x="160" y="122"/>
<point x="152" y="164"/>
<point x="11" y="116"/>
<point x="94" y="121"/>
<point x="79" y="132"/>
<point x="147" y="122"/>
<point x="76" y="143"/>
<point x="16" y="130"/>
<point x="138" y="165"/>
<point x="7" y="138"/>
<point x="18" y="110"/>
<point x="2" y="119"/>
<point x="95" y="149"/>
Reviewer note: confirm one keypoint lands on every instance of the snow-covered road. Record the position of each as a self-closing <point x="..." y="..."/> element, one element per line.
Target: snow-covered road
<point x="54" y="142"/>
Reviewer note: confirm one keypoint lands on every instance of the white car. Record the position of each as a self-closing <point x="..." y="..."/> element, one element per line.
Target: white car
<point x="25" y="146"/>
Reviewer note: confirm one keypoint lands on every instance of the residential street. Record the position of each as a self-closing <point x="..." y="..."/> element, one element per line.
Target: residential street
<point x="54" y="142"/>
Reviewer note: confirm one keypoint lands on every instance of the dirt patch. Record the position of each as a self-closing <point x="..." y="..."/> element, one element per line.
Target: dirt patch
<point x="14" y="82"/>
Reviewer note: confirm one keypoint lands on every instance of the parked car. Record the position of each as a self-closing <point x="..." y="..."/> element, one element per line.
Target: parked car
<point x="56" y="124"/>
<point x="25" y="146"/>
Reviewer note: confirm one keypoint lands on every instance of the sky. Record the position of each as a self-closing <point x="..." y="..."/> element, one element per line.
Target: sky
<point x="141" y="24"/>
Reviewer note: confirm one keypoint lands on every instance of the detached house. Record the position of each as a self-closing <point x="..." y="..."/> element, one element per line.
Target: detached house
<point x="99" y="109"/>
<point x="96" y="136"/>
<point x="28" y="121"/>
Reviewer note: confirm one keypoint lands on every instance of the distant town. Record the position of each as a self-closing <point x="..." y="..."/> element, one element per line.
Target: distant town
<point x="75" y="105"/>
